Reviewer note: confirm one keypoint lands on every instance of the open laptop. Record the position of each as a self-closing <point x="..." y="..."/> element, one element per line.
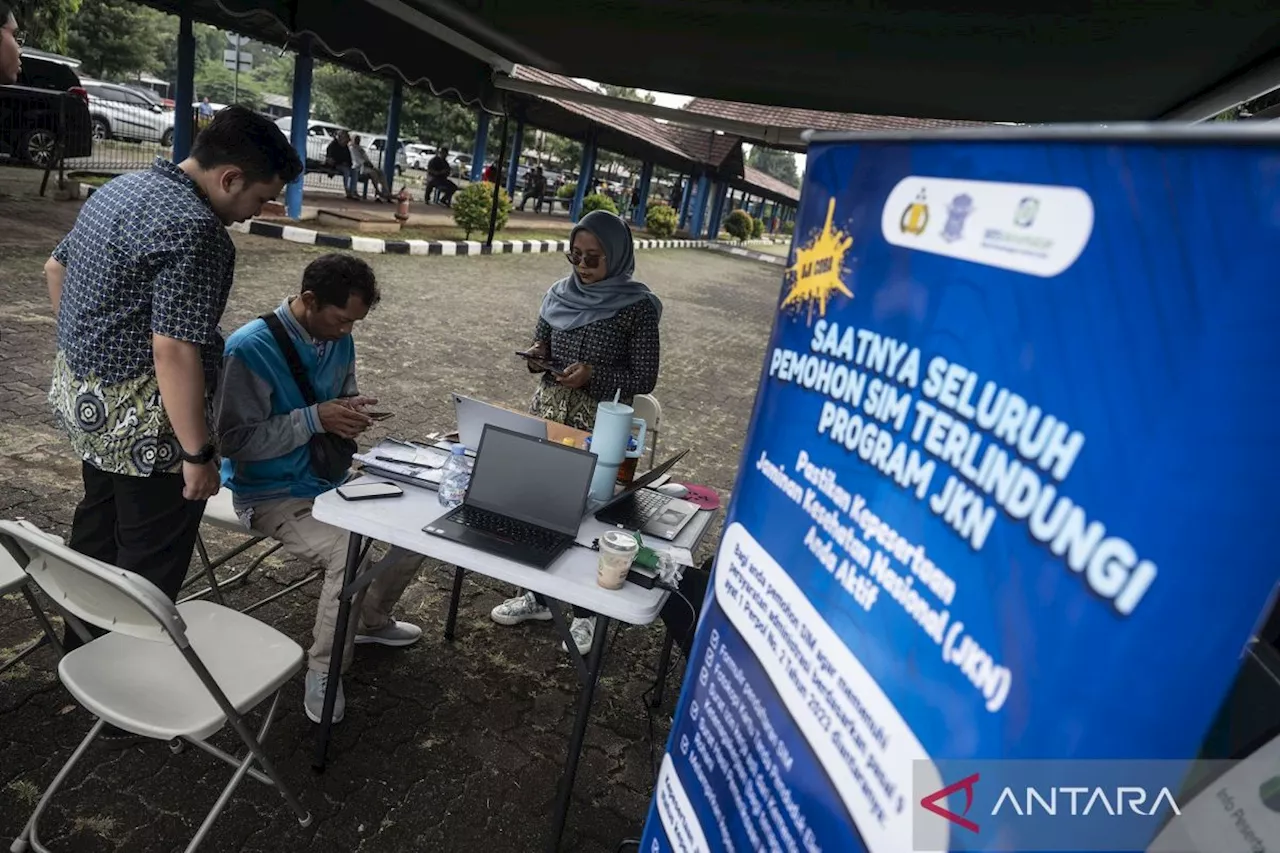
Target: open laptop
<point x="525" y="501"/>
<point x="473" y="415"/>
<point x="646" y="510"/>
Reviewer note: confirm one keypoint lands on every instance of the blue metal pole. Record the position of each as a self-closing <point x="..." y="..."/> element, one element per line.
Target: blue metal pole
<point x="185" y="93"/>
<point x="646" y="178"/>
<point x="393" y="131"/>
<point x="721" y="203"/>
<point x="514" y="164"/>
<point x="481" y="147"/>
<point x="698" y="213"/>
<point x="686" y="200"/>
<point x="586" y="174"/>
<point x="298" y="129"/>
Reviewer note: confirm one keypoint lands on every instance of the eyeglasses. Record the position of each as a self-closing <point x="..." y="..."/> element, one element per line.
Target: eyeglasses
<point x="580" y="260"/>
<point x="19" y="36"/>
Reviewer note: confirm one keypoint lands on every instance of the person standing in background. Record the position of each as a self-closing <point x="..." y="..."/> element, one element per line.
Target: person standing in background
<point x="138" y="288"/>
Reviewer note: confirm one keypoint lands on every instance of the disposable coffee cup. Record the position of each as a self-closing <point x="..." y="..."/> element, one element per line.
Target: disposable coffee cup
<point x="617" y="551"/>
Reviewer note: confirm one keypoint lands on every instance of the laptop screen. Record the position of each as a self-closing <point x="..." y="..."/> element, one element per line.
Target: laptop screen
<point x="473" y="415"/>
<point x="531" y="479"/>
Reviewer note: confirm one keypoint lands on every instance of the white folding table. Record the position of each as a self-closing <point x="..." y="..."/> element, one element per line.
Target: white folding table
<point x="571" y="580"/>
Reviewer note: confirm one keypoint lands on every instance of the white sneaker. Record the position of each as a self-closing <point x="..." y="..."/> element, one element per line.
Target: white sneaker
<point x="313" y="697"/>
<point x="513" y="611"/>
<point x="583" y="631"/>
<point x="394" y="633"/>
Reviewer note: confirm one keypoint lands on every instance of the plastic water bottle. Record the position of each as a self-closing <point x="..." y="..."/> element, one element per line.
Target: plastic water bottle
<point x="456" y="477"/>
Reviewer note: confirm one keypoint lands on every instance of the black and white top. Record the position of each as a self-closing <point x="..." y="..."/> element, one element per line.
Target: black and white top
<point x="623" y="351"/>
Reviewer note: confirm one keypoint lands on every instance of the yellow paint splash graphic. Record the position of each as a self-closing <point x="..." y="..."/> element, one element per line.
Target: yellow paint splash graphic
<point x="815" y="276"/>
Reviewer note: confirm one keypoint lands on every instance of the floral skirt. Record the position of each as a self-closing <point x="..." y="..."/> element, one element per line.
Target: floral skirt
<point x="572" y="407"/>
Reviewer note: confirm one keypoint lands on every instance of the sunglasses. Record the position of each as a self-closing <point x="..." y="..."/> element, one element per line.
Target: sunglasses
<point x="580" y="260"/>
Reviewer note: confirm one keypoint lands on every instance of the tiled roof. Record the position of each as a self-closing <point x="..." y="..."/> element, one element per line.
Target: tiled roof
<point x="768" y="183"/>
<point x="702" y="145"/>
<point x="637" y="126"/>
<point x="814" y="119"/>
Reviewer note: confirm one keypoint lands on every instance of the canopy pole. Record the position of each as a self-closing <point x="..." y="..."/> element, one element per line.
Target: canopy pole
<point x="497" y="184"/>
<point x="646" y="178"/>
<point x="481" y="149"/>
<point x="302" y="67"/>
<point x="393" y="131"/>
<point x="517" y="147"/>
<point x="185" y="93"/>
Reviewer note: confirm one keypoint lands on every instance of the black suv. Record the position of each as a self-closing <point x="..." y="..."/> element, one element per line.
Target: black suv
<point x="46" y="100"/>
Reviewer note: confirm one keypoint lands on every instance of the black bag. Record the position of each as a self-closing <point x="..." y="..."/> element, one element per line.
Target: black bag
<point x="330" y="454"/>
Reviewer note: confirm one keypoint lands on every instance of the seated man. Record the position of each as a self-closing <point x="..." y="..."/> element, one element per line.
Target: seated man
<point x="365" y="168"/>
<point x="438" y="172"/>
<point x="338" y="157"/>
<point x="265" y="428"/>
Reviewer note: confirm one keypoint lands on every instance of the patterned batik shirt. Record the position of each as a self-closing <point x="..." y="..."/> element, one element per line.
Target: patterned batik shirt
<point x="147" y="255"/>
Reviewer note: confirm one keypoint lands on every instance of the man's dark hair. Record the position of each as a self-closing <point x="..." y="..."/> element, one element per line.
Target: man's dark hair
<point x="335" y="278"/>
<point x="239" y="137"/>
<point x="5" y="11"/>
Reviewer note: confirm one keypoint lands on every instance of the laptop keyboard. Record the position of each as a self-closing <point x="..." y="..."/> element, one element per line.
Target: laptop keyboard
<point x="635" y="513"/>
<point x="506" y="528"/>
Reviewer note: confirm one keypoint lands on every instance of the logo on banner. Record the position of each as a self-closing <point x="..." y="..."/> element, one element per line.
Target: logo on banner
<point x="930" y="802"/>
<point x="957" y="212"/>
<point x="915" y="217"/>
<point x="1025" y="215"/>
<point x="817" y="274"/>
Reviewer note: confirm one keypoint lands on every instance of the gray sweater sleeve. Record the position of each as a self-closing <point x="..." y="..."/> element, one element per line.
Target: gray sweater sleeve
<point x="247" y="430"/>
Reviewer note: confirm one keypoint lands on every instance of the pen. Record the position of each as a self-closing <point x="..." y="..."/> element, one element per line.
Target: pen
<point x="403" y="462"/>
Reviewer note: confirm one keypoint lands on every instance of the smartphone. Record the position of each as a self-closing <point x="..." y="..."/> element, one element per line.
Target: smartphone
<point x="381" y="416"/>
<point x="369" y="491"/>
<point x="539" y="363"/>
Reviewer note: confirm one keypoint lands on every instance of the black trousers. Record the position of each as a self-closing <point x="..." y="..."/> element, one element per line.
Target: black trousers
<point x="140" y="524"/>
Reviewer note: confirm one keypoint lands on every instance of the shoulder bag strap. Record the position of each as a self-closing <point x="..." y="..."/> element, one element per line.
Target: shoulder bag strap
<point x="291" y="357"/>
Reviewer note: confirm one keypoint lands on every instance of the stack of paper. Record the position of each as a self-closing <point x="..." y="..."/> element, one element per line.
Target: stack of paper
<point x="415" y="464"/>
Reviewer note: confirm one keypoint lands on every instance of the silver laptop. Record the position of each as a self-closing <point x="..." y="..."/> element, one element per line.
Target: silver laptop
<point x="473" y="415"/>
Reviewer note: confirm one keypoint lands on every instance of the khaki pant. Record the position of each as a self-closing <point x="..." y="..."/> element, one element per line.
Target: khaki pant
<point x="289" y="522"/>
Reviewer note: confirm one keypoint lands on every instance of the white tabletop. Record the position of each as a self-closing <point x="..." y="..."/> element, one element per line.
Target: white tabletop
<point x="570" y="579"/>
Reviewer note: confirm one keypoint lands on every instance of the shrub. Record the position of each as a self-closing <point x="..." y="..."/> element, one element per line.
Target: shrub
<point x="661" y="220"/>
<point x="757" y="228"/>
<point x="566" y="190"/>
<point x="738" y="224"/>
<point x="598" y="201"/>
<point x="787" y="228"/>
<point x="471" y="206"/>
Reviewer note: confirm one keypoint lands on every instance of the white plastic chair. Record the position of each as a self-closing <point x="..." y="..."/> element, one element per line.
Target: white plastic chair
<point x="164" y="671"/>
<point x="12" y="579"/>
<point x="649" y="410"/>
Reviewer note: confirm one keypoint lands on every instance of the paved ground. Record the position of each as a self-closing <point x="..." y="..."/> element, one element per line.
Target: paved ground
<point x="445" y="746"/>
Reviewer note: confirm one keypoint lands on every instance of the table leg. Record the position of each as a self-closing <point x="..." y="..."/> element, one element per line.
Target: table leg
<point x="354" y="545"/>
<point x="664" y="663"/>
<point x="595" y="662"/>
<point x="451" y="622"/>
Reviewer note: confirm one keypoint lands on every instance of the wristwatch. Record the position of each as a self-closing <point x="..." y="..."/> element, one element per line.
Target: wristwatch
<point x="201" y="456"/>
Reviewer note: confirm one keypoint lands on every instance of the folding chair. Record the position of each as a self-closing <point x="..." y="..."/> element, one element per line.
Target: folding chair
<point x="220" y="512"/>
<point x="649" y="410"/>
<point x="12" y="578"/>
<point x="164" y="672"/>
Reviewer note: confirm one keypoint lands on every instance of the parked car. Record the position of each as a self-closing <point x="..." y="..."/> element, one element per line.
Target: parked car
<point x="319" y="135"/>
<point x="461" y="165"/>
<point x="374" y="145"/>
<point x="118" y="112"/>
<point x="417" y="156"/>
<point x="46" y="101"/>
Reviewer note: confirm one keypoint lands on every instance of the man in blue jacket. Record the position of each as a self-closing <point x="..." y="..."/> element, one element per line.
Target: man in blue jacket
<point x="266" y="427"/>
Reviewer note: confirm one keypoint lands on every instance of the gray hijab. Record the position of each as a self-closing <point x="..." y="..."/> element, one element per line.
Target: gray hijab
<point x="570" y="304"/>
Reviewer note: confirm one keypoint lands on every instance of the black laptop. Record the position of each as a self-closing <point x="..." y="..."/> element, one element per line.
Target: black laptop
<point x="525" y="501"/>
<point x="639" y="508"/>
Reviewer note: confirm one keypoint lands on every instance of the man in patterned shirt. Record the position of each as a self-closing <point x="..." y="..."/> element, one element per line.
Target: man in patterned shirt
<point x="138" y="287"/>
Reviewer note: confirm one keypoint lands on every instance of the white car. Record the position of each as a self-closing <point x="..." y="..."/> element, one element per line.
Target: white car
<point x="118" y="112"/>
<point x="319" y="135"/>
<point x="417" y="156"/>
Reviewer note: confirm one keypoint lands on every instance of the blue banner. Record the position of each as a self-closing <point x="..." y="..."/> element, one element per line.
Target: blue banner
<point x="1004" y="494"/>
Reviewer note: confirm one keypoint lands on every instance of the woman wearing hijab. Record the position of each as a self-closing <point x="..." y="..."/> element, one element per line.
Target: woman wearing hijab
<point x="599" y="327"/>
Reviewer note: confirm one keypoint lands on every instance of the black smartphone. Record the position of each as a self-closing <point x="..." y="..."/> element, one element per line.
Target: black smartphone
<point x="369" y="491"/>
<point x="540" y="363"/>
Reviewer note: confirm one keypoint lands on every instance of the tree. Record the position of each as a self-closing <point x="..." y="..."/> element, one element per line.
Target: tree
<point x="116" y="38"/>
<point x="472" y="207"/>
<point x="46" y="22"/>
<point x="217" y="82"/>
<point x="778" y="164"/>
<point x="359" y="101"/>
<point x="627" y="93"/>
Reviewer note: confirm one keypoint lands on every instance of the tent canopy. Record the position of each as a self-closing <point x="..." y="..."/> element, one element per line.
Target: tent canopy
<point x="987" y="61"/>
